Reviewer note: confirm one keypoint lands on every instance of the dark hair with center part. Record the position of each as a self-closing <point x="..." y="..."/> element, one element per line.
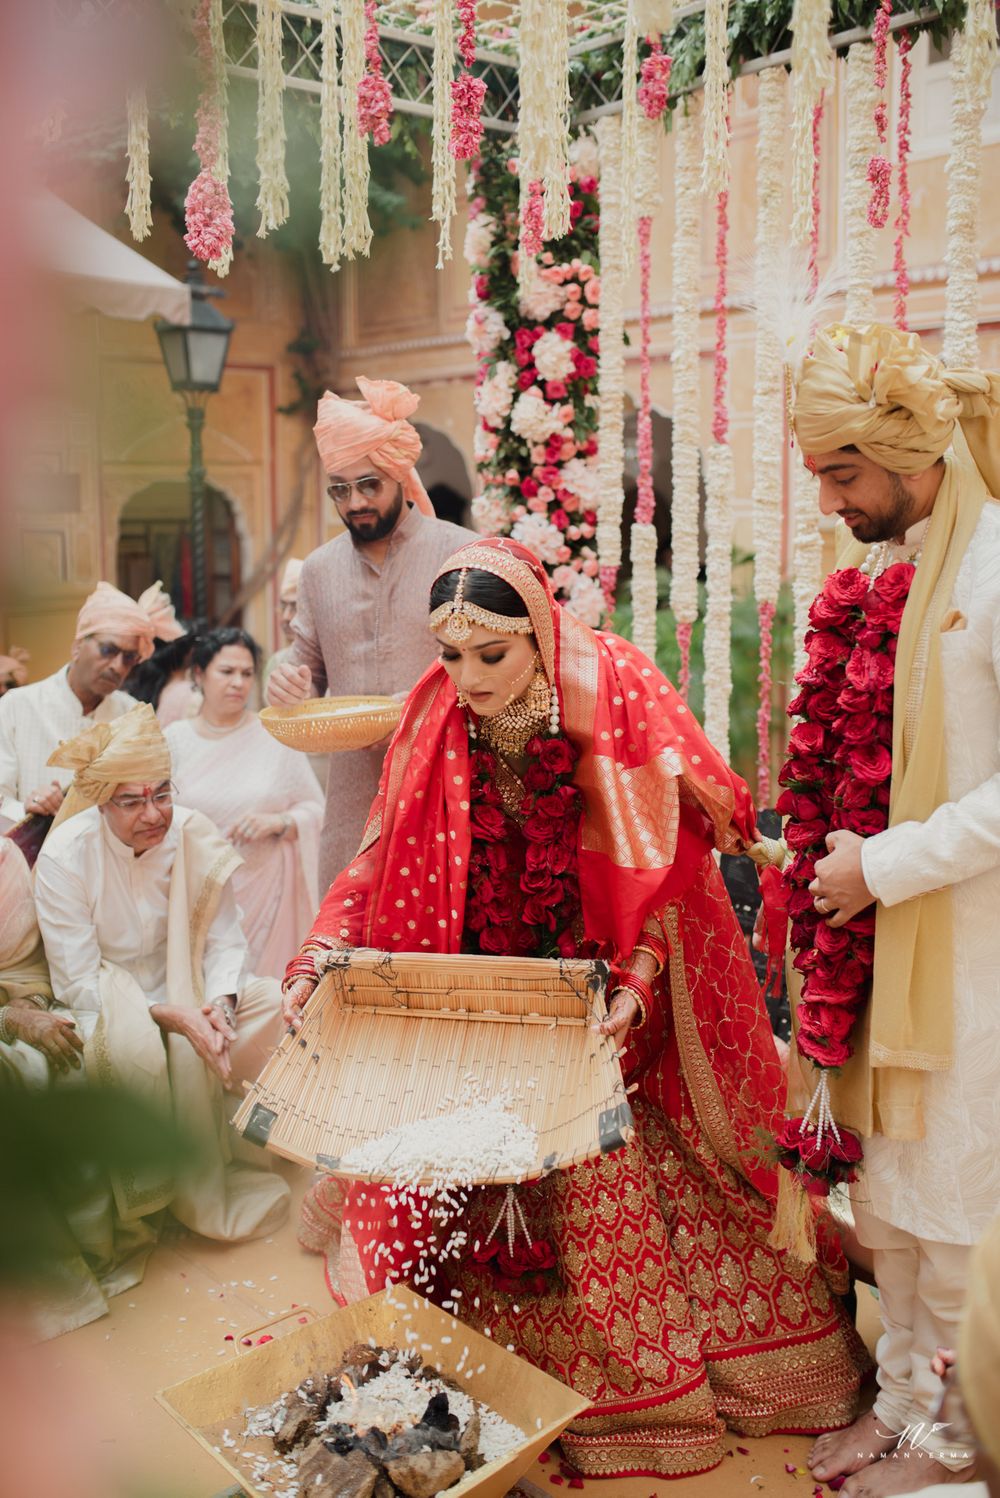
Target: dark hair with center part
<point x="483" y="588"/>
<point x="207" y="647"/>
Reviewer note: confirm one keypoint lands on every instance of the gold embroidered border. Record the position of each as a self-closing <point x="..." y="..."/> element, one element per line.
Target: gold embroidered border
<point x="695" y="1064"/>
<point x="807" y="1386"/>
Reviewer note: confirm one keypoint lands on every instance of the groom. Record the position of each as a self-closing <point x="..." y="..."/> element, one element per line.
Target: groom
<point x="889" y="432"/>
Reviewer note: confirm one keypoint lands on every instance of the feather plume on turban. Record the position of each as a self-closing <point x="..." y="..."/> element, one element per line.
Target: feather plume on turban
<point x="108" y="611"/>
<point x="881" y="391"/>
<point x="376" y="429"/>
<point x="129" y="748"/>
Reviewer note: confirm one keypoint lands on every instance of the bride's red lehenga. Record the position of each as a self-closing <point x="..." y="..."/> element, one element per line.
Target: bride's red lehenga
<point x="666" y="1306"/>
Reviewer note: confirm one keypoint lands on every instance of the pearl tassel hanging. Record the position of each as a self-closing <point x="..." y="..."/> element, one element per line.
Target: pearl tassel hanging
<point x="272" y="196"/>
<point x="443" y="162"/>
<point x="862" y="144"/>
<point x="138" y="206"/>
<point x="686" y="429"/>
<point x="768" y="404"/>
<point x="611" y="365"/>
<point x="331" y="231"/>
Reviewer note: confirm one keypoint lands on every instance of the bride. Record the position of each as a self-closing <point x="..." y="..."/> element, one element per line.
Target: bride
<point x="547" y="793"/>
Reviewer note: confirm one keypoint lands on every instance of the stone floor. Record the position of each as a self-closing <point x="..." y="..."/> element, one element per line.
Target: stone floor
<point x="196" y="1301"/>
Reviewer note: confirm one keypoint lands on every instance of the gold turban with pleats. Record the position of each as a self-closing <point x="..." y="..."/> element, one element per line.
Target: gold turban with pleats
<point x="881" y="391"/>
<point x="106" y="755"/>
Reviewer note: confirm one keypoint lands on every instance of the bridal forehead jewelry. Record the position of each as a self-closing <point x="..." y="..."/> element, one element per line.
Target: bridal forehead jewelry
<point x="456" y="619"/>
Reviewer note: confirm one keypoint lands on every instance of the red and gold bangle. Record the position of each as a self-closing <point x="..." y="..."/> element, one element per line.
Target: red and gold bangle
<point x="640" y="990"/>
<point x="647" y="947"/>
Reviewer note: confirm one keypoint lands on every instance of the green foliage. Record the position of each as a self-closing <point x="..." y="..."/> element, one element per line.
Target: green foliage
<point x="744" y="660"/>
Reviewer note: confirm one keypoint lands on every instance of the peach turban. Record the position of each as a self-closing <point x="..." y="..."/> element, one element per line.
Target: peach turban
<point x="376" y="429"/>
<point x="131" y="747"/>
<point x="107" y="611"/>
<point x="290" y="578"/>
<point x="881" y="391"/>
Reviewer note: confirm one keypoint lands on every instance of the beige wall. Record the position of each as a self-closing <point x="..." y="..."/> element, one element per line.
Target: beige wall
<point x="118" y="427"/>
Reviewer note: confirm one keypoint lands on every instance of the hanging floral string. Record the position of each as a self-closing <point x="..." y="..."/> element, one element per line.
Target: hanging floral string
<point x="208" y="212"/>
<point x="768" y="406"/>
<point x="814" y="200"/>
<point x="879" y="166"/>
<point x="272" y="195"/>
<point x="812" y="73"/>
<point x="973" y="57"/>
<point x="467" y="91"/>
<point x="643" y="539"/>
<point x="374" y="97"/>
<point x="861" y="140"/>
<point x="138" y="206"/>
<point x="611" y="359"/>
<point x="902" y="225"/>
<point x="718" y="510"/>
<point x="715" y="148"/>
<point x="685" y="510"/>
<point x="331" y="229"/>
<point x="543" y="126"/>
<point x="630" y="125"/>
<point x="654" y="80"/>
<point x="357" y="230"/>
<point x="442" y="157"/>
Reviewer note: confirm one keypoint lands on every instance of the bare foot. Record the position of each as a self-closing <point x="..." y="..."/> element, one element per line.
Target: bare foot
<point x="906" y="1469"/>
<point x="841" y="1452"/>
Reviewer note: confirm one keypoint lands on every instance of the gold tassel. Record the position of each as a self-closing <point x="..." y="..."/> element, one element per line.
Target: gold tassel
<point x="794" y="1229"/>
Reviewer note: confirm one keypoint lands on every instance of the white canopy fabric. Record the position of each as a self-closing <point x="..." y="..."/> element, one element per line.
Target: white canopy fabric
<point x="100" y="271"/>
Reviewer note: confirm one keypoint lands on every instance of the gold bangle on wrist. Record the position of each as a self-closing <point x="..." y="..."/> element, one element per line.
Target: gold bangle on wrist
<point x="643" y="1016"/>
<point x="650" y="953"/>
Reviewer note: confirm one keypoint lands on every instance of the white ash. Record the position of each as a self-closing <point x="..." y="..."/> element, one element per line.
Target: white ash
<point x="476" y="1141"/>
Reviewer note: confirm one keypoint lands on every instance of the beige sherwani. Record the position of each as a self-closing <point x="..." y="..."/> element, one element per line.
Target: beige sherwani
<point x="920" y="1204"/>
<point x="362" y="628"/>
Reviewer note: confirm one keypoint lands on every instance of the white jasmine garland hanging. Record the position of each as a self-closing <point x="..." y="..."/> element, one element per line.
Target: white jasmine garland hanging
<point x="643" y="539"/>
<point x="272" y="195"/>
<point x="973" y="58"/>
<point x="331" y="229"/>
<point x="813" y="71"/>
<point x="138" y="206"/>
<point x="807" y="553"/>
<point x="715" y="161"/>
<point x="442" y="159"/>
<point x="543" y="126"/>
<point x="685" y="359"/>
<point x="357" y="231"/>
<point x="862" y="144"/>
<point x="719" y="587"/>
<point x="611" y="365"/>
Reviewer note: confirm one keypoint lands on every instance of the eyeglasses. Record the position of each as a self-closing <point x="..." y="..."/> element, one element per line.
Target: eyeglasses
<point x="161" y="799"/>
<point x="107" y="650"/>
<point x="369" y="487"/>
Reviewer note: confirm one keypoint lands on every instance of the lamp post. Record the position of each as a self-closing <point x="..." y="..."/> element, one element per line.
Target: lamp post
<point x="195" y="356"/>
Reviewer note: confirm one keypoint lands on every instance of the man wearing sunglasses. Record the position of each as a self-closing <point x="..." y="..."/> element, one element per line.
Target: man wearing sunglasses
<point x="361" y="624"/>
<point x="113" y="634"/>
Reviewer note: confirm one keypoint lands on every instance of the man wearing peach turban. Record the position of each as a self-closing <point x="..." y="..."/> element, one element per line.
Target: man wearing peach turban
<point x="907" y="453"/>
<point x="360" y="625"/>
<point x="113" y="634"/>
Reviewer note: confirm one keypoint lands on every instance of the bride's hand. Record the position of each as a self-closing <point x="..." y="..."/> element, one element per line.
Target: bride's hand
<point x="622" y="1015"/>
<point x="295" y="999"/>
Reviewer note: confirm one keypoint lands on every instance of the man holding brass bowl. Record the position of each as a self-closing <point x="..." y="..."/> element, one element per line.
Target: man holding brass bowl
<point x="548" y="794"/>
<point x="360" y="629"/>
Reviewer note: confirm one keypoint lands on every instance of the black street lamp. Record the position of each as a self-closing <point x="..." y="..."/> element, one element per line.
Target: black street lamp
<point x="195" y="356"/>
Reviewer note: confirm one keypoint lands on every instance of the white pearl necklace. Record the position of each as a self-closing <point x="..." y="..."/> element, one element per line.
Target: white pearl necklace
<point x="880" y="555"/>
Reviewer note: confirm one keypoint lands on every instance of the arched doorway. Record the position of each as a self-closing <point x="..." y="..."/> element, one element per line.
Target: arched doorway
<point x="445" y="476"/>
<point x="154" y="541"/>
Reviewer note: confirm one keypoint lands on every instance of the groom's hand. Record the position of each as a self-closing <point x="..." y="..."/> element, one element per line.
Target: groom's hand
<point x="839" y="890"/>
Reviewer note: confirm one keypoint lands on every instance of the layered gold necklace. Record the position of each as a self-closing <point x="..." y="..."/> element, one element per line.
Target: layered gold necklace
<point x="509" y="731"/>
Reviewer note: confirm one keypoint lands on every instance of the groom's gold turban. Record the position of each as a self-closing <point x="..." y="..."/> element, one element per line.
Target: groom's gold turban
<point x="881" y="391"/>
<point x="129" y="748"/>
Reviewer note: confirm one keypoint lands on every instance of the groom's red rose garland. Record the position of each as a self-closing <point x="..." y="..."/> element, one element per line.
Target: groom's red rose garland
<point x="837" y="776"/>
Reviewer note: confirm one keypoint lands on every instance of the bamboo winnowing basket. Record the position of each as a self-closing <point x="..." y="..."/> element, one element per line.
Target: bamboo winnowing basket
<point x="215" y="1401"/>
<point x="392" y="1037"/>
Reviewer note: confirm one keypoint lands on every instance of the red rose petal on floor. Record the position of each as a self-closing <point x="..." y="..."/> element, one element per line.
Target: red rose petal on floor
<point x="576" y="1482"/>
<point x="303" y="1319"/>
<point x="245" y="1342"/>
<point x="229" y="1337"/>
<point x="557" y="1480"/>
<point x="790" y="1468"/>
<point x="546" y="1456"/>
<point x="743" y="1450"/>
<point x="261" y="1340"/>
<point x="836" y="1483"/>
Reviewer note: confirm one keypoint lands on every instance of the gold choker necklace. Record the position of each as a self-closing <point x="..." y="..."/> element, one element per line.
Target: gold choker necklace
<point x="509" y="730"/>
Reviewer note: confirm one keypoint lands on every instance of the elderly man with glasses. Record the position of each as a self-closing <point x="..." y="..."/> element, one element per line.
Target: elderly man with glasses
<point x="142" y="936"/>
<point x="361" y="625"/>
<point x="113" y="634"/>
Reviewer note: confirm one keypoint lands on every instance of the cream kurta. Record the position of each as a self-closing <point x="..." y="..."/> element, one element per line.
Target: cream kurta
<point x="946" y="1186"/>
<point x="34" y="720"/>
<point x="362" y="628"/>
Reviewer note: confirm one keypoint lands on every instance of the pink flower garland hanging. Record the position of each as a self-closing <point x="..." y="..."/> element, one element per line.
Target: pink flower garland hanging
<point x="467" y="91"/>
<point x="654" y="92"/>
<point x="374" y="93"/>
<point x="654" y="80"/>
<point x="903" y="178"/>
<point x="879" y="167"/>
<point x="208" y="210"/>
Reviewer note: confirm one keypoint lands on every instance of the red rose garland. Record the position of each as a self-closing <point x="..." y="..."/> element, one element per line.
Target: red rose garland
<point x="837" y="776"/>
<point x="523" y="892"/>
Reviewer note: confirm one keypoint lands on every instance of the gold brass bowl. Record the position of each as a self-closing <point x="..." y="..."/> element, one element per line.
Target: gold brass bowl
<point x="329" y="725"/>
